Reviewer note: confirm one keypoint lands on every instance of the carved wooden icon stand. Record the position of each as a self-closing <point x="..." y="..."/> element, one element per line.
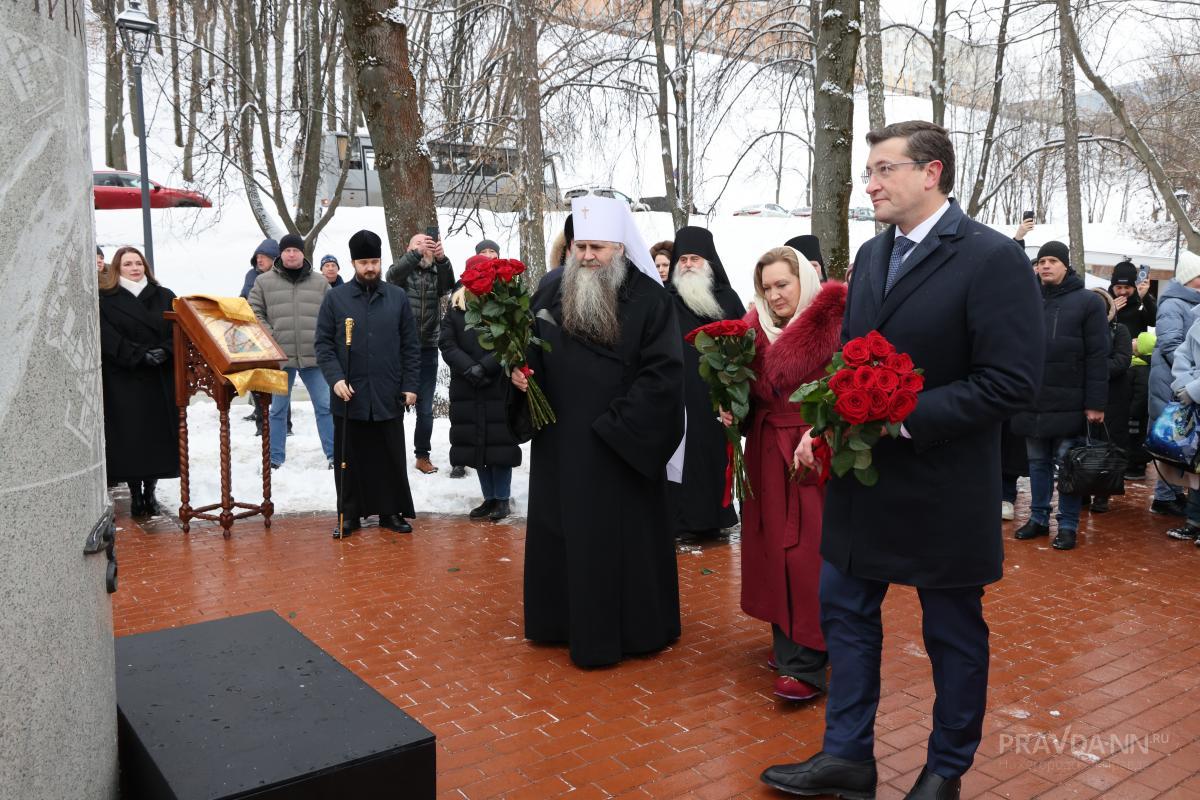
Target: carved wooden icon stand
<point x="205" y="352"/>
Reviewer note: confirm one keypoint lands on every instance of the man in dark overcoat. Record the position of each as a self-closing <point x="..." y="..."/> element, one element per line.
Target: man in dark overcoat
<point x="960" y="299"/>
<point x="373" y="380"/>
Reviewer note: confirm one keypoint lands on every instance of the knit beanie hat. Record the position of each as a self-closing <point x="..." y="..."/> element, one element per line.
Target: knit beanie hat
<point x="327" y="258"/>
<point x="1056" y="250"/>
<point x="365" y="244"/>
<point x="1189" y="267"/>
<point x="486" y="244"/>
<point x="291" y="240"/>
<point x="1124" y="274"/>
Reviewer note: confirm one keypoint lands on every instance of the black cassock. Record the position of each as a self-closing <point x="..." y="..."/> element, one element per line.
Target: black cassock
<point x="599" y="549"/>
<point x="384" y="362"/>
<point x="696" y="502"/>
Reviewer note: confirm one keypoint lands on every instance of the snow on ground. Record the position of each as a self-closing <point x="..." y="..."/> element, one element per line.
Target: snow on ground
<point x="304" y="483"/>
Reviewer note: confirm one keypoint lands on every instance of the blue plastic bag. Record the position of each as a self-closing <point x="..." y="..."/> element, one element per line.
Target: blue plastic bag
<point x="1175" y="436"/>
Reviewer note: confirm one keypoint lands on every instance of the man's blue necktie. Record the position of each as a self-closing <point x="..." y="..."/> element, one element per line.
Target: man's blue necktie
<point x="899" y="249"/>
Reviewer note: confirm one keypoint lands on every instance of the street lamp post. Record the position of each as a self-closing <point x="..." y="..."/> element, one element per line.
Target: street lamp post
<point x="137" y="29"/>
<point x="1182" y="196"/>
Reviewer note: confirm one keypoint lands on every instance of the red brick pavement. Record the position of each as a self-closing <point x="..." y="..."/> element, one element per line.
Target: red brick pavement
<point x="1095" y="687"/>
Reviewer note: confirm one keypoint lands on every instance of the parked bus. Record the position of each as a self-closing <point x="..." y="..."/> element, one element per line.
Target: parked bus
<point x="464" y="175"/>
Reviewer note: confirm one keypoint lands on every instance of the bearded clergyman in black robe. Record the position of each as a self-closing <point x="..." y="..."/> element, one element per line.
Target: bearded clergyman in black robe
<point x="600" y="570"/>
<point x="702" y="294"/>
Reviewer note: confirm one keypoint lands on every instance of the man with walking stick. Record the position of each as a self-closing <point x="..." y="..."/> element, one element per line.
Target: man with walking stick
<point x="367" y="348"/>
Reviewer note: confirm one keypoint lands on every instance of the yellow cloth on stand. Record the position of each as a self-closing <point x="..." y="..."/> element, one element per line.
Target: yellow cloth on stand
<point x="231" y="307"/>
<point x="259" y="380"/>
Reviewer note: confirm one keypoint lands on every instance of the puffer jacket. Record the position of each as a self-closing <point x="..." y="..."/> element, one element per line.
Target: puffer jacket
<point x="288" y="309"/>
<point x="1185" y="371"/>
<point x="1175" y="305"/>
<point x="425" y="286"/>
<point x="479" y="433"/>
<point x="1075" y="377"/>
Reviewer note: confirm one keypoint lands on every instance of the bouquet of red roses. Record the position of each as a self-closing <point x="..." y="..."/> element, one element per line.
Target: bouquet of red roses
<point x="726" y="351"/>
<point x="498" y="307"/>
<point x="869" y="391"/>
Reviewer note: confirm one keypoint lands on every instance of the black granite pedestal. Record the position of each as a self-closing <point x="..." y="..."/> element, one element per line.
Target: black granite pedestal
<point x="247" y="707"/>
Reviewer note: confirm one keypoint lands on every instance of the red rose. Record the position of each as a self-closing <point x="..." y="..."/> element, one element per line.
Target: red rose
<point x="842" y="381"/>
<point x="727" y="327"/>
<point x="507" y="268"/>
<point x="901" y="405"/>
<point x="886" y="380"/>
<point x="900" y="362"/>
<point x="864" y="377"/>
<point x="912" y="382"/>
<point x="854" y="406"/>
<point x="879" y="402"/>
<point x="880" y="347"/>
<point x="856" y="352"/>
<point x="480" y="279"/>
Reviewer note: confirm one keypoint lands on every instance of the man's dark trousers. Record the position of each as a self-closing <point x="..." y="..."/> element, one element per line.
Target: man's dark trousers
<point x="423" y="434"/>
<point x="956" y="639"/>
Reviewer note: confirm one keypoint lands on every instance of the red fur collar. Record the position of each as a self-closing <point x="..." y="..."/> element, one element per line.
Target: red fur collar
<point x="802" y="351"/>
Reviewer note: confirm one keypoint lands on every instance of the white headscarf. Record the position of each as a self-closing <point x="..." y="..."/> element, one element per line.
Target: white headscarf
<point x="810" y="285"/>
<point x="606" y="219"/>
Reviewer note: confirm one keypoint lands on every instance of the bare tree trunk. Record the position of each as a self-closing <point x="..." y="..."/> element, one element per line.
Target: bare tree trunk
<point x="152" y="12"/>
<point x="194" y="90"/>
<point x="833" y="112"/>
<point x="985" y="157"/>
<point x="173" y="13"/>
<point x="387" y="94"/>
<point x="1145" y="153"/>
<point x="246" y="117"/>
<point x="663" y="111"/>
<point x="683" y="125"/>
<point x="114" y="100"/>
<point x="937" y="90"/>
<point x="873" y="49"/>
<point x="311" y="133"/>
<point x="278" y="42"/>
<point x="532" y="183"/>
<point x="1070" y="139"/>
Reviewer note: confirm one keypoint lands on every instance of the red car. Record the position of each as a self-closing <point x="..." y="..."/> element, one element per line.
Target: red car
<point x="124" y="190"/>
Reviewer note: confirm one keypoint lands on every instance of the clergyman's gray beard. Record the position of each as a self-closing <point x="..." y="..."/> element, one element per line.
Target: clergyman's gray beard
<point x="589" y="301"/>
<point x="695" y="288"/>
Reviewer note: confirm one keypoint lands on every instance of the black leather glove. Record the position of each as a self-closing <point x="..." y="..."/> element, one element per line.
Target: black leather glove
<point x="477" y="376"/>
<point x="154" y="357"/>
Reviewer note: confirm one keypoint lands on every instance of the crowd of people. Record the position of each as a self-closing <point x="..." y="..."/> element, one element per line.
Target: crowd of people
<point x="637" y="455"/>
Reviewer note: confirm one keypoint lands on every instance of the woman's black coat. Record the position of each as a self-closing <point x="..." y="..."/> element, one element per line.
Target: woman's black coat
<point x="141" y="431"/>
<point x="479" y="434"/>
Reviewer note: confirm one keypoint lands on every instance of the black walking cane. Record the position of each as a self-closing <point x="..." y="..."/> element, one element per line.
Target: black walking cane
<point x="341" y="531"/>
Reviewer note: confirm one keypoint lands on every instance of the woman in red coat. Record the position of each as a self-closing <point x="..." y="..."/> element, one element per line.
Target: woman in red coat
<point x="798" y="322"/>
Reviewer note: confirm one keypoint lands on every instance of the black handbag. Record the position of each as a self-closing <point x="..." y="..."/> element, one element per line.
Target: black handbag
<point x="1095" y="467"/>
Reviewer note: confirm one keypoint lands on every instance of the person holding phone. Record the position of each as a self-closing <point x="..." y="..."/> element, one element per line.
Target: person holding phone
<point x="427" y="276"/>
<point x="1024" y="228"/>
<point x="1137" y="310"/>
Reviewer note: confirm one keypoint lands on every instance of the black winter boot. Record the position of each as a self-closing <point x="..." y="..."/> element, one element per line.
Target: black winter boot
<point x="482" y="510"/>
<point x="136" y="509"/>
<point x="499" y="511"/>
<point x="150" y="506"/>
